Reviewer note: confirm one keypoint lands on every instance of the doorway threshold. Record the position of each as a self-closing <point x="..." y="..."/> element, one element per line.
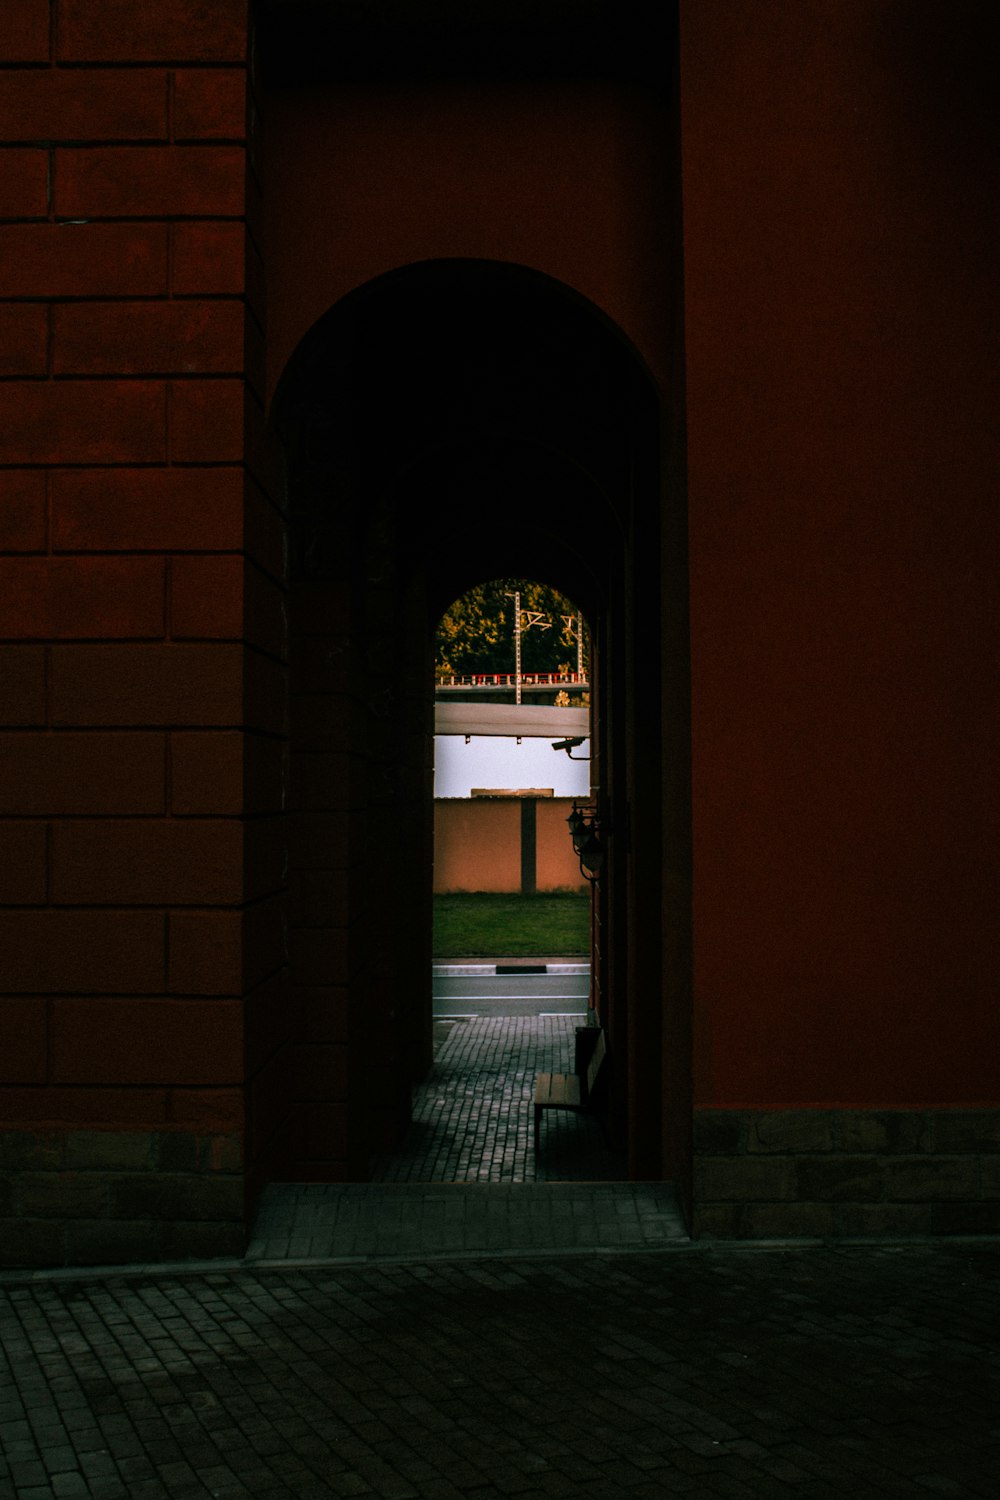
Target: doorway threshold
<point x="304" y="1222"/>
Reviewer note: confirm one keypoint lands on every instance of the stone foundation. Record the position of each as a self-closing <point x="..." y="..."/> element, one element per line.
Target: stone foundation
<point x="107" y="1197"/>
<point x="819" y="1173"/>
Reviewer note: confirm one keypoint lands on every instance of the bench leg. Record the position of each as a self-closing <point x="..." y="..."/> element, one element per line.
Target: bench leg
<point x="538" y="1125"/>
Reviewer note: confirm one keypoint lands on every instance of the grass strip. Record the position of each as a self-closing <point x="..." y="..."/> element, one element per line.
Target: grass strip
<point x="485" y="925"/>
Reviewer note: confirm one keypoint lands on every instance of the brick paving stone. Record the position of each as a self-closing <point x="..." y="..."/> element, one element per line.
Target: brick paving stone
<point x="814" y="1372"/>
<point x="472" y="1116"/>
<point x="868" y="1371"/>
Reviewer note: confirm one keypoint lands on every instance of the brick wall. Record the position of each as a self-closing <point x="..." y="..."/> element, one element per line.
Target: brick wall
<point x="846" y="1172"/>
<point x="141" y="634"/>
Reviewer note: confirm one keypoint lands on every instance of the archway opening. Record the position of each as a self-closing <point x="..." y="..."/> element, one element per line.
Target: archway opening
<point x="512" y="994"/>
<point x="437" y="396"/>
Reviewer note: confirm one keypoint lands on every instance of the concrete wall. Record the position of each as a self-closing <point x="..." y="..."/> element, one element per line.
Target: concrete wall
<point x="489" y="844"/>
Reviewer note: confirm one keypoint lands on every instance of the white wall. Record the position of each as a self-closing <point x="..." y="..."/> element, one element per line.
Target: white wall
<point x="503" y="765"/>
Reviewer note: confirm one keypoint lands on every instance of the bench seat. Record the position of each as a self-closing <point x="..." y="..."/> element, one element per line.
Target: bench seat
<point x="573" y="1091"/>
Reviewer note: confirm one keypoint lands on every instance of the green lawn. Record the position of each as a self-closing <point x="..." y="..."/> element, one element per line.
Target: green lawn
<point x="488" y="926"/>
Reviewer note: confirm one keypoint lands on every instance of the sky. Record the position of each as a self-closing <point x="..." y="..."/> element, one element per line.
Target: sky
<point x="501" y="764"/>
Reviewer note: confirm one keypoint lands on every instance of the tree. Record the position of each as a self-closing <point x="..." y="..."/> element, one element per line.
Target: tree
<point x="476" y="634"/>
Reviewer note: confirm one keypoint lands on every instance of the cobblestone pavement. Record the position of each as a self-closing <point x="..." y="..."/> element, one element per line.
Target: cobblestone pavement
<point x="472" y="1116"/>
<point x="815" y="1373"/>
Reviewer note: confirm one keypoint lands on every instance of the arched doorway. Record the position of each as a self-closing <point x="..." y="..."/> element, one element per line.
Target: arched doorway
<point x="454" y="419"/>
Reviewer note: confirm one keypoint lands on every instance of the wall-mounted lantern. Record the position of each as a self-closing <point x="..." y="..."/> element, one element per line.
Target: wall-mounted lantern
<point x="585" y="830"/>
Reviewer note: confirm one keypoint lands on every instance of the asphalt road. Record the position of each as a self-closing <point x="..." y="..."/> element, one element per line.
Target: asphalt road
<point x="478" y="990"/>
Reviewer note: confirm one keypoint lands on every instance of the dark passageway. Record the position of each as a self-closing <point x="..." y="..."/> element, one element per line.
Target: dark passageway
<point x="450" y="422"/>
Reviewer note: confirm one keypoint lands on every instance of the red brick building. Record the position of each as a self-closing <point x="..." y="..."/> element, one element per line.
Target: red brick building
<point x="297" y="300"/>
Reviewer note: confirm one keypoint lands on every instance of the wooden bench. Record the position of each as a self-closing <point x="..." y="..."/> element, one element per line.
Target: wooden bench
<point x="575" y="1091"/>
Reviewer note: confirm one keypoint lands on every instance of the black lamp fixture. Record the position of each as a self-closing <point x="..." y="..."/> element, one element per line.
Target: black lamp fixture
<point x="584" y="825"/>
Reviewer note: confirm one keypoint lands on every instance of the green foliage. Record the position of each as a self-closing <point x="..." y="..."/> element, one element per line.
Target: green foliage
<point x="476" y="634"/>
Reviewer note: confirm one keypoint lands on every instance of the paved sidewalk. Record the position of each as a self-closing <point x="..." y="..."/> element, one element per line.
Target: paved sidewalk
<point x="467" y="1181"/>
<point x="472" y="1116"/>
<point x="816" y="1373"/>
<point x="476" y="1340"/>
<point x="379" y="1221"/>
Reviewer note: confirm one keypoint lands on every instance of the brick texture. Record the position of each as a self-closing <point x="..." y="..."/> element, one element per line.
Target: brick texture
<point x="817" y="1173"/>
<point x="135" y="863"/>
<point x="206" y="953"/>
<point x="224" y="772"/>
<point x="82" y="422"/>
<point x="23" y="865"/>
<point x="24" y="1028"/>
<point x="93" y="105"/>
<point x="208" y="258"/>
<point x="146" y="684"/>
<point x="196" y="338"/>
<point x="55" y="1109"/>
<point x="42" y="773"/>
<point x="73" y="598"/>
<point x="22" y="688"/>
<point x="126" y="604"/>
<point x="206" y="599"/>
<point x="146" y="1041"/>
<point x="24" y="36"/>
<point x="22" y="510"/>
<point x="114" y="1194"/>
<point x="107" y="182"/>
<point x="23" y="338"/>
<point x="210" y="104"/>
<point x="139" y="510"/>
<point x="25" y="193"/>
<point x="83" y="260"/>
<point x="206" y="421"/>
<point x="152" y="30"/>
<point x="82" y="951"/>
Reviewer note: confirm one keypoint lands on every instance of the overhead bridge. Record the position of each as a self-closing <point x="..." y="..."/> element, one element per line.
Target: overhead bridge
<point x="527" y="720"/>
<point x="531" y="682"/>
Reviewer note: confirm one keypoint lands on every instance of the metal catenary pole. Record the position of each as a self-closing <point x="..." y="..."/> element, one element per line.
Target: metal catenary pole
<point x="517" y="647"/>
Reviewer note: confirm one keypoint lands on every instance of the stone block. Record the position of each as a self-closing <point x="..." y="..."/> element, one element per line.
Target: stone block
<point x="27" y="1150"/>
<point x="883" y="1132"/>
<point x="63" y="1195"/>
<point x="174" y="1196"/>
<point x="196" y="1238"/>
<point x="111" y="1150"/>
<point x="869" y="1220"/>
<point x="112" y="1242"/>
<point x="220" y="1153"/>
<point x="787" y="1221"/>
<point x="178" y="1151"/>
<point x="838" y="1179"/>
<point x="31" y="1242"/>
<point x="720" y="1132"/>
<point x="917" y="1179"/>
<point x="967" y="1130"/>
<point x="792" y="1130"/>
<point x="716" y="1221"/>
<point x="742" y="1179"/>
<point x="966" y="1218"/>
<point x="990" y="1177"/>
